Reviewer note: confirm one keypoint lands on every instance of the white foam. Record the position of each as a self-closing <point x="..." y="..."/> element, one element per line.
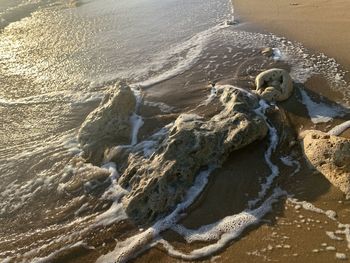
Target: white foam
<point x="341" y="256"/>
<point x="273" y="139"/>
<point x="233" y="224"/>
<point x="149" y="146"/>
<point x="289" y="161"/>
<point x="136" y="123"/>
<point x="319" y="112"/>
<point x="73" y="98"/>
<point x="277" y="54"/>
<point x="52" y="256"/>
<point x="310" y="207"/>
<point x="191" y="49"/>
<point x="337" y="130"/>
<point x="333" y="236"/>
<point x="132" y="246"/>
<point x="223" y="231"/>
<point x="114" y="214"/>
<point x="162" y="106"/>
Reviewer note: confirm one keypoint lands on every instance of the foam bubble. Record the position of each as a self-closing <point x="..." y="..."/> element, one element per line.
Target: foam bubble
<point x="310" y="207"/>
<point x="134" y="245"/>
<point x="289" y="161"/>
<point x="319" y="112"/>
<point x="224" y="230"/>
<point x="234" y="224"/>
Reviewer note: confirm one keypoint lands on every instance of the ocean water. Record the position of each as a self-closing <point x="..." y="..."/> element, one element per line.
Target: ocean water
<point x="56" y="60"/>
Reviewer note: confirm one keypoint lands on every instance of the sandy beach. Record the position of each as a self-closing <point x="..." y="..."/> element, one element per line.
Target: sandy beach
<point x="262" y="201"/>
<point x="322" y="26"/>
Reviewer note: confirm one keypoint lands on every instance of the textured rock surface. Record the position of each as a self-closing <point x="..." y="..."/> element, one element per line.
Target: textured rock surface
<point x="159" y="182"/>
<point x="268" y="52"/>
<point x="330" y="155"/>
<point x="274" y="85"/>
<point x="109" y="124"/>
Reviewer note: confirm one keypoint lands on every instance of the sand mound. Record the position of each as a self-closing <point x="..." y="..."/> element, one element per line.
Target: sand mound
<point x="158" y="183"/>
<point x="330" y="155"/>
<point x="274" y="85"/>
<point x="109" y="124"/>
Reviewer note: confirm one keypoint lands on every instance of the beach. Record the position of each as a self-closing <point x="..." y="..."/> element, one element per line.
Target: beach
<point x="322" y="26"/>
<point x="291" y="234"/>
<point x="145" y="140"/>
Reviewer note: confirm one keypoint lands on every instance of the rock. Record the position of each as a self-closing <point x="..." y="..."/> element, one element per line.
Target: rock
<point x="108" y="124"/>
<point x="274" y="85"/>
<point x="268" y="52"/>
<point x="192" y="143"/>
<point x="330" y="155"/>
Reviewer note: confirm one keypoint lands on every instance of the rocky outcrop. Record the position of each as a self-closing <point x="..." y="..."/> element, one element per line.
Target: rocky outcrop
<point x="109" y="124"/>
<point x="330" y="155"/>
<point x="274" y="85"/>
<point x="192" y="143"/>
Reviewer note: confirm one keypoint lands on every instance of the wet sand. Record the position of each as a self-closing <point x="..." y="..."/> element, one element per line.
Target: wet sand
<point x="287" y="234"/>
<point x="322" y="26"/>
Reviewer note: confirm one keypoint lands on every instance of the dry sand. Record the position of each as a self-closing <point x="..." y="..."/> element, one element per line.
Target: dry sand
<point x="321" y="25"/>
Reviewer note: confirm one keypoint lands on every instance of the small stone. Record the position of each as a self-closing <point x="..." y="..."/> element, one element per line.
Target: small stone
<point x="340" y="256"/>
<point x="330" y="248"/>
<point x="268" y="52"/>
<point x="297" y="207"/>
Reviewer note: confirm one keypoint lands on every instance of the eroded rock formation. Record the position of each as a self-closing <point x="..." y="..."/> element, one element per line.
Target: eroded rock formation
<point x="109" y="124"/>
<point x="161" y="181"/>
<point x="330" y="155"/>
<point x="274" y="85"/>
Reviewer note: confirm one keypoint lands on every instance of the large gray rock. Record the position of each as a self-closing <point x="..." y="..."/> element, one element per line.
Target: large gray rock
<point x="274" y="85"/>
<point x="330" y="155"/>
<point x="109" y="124"/>
<point x="158" y="183"/>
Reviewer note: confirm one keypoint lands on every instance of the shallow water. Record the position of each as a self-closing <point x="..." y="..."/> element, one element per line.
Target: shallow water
<point x="58" y="57"/>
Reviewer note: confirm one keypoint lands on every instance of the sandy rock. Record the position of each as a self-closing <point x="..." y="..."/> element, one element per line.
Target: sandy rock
<point x="330" y="155"/>
<point x="109" y="123"/>
<point x="268" y="52"/>
<point x="161" y="181"/>
<point x="274" y="85"/>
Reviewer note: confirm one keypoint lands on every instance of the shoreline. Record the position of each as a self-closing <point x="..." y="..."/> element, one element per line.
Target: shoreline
<point x="282" y="234"/>
<point x="328" y="34"/>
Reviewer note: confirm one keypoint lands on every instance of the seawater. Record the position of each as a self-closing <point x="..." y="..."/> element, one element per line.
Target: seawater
<point x="56" y="60"/>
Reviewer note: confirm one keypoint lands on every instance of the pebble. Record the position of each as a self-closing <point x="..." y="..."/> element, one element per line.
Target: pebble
<point x="330" y="248"/>
<point x="341" y="256"/>
<point x="315" y="250"/>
